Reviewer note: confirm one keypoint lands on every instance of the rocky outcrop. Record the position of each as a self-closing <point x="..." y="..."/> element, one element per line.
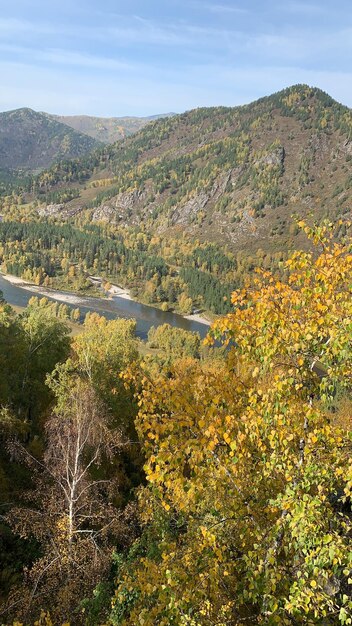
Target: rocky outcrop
<point x="276" y="157"/>
<point x="185" y="212"/>
<point x="105" y="213"/>
<point x="121" y="208"/>
<point x="62" y="210"/>
<point x="347" y="147"/>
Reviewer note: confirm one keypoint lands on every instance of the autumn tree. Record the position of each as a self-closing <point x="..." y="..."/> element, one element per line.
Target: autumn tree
<point x="9" y="352"/>
<point x="100" y="353"/>
<point x="71" y="512"/>
<point x="45" y="342"/>
<point x="174" y="343"/>
<point x="81" y="471"/>
<point x="31" y="344"/>
<point x="247" y="512"/>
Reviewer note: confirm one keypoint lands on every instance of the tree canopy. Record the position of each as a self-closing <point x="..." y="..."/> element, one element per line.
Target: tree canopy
<point x="242" y="512"/>
<point x="247" y="512"/>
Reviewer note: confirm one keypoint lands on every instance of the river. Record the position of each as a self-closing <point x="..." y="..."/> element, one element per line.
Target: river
<point x="145" y="316"/>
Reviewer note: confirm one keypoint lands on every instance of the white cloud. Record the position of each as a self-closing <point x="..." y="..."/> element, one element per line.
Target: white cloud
<point x="294" y="46"/>
<point x="119" y="31"/>
<point x="13" y="27"/>
<point x="304" y="8"/>
<point x="66" y="92"/>
<point x="69" y="58"/>
<point x="180" y="33"/>
<point x="132" y="65"/>
<point x="72" y="58"/>
<point x="224" y="9"/>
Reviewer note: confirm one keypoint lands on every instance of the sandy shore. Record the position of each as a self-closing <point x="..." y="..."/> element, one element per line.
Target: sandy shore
<point x="42" y="291"/>
<point x="120" y="292"/>
<point x="115" y="290"/>
<point x="60" y="295"/>
<point x="195" y="317"/>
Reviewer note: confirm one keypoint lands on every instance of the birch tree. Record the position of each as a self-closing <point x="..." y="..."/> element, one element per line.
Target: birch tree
<point x="70" y="512"/>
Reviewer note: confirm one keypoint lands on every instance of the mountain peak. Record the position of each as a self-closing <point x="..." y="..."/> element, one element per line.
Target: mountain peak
<point x="19" y="112"/>
<point x="301" y="93"/>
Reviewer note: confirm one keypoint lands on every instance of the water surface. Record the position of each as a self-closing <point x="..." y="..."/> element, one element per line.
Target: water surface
<point x="145" y="316"/>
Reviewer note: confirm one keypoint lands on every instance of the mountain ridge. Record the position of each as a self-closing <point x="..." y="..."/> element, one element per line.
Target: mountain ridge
<point x="229" y="175"/>
<point x="217" y="172"/>
<point x="32" y="140"/>
<point x="107" y="129"/>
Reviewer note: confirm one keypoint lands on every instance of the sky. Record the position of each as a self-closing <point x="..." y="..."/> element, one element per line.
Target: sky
<point x="143" y="57"/>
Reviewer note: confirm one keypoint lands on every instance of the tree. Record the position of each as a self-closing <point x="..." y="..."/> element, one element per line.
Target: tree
<point x="9" y="349"/>
<point x="75" y="315"/>
<point x="71" y="513"/>
<point x="100" y="352"/>
<point x="247" y="511"/>
<point x="174" y="343"/>
<point x="31" y="345"/>
<point x="185" y="304"/>
<point x="45" y="343"/>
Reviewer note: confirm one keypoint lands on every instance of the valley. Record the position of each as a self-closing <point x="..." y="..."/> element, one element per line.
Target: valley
<point x="197" y="200"/>
<point x="157" y="468"/>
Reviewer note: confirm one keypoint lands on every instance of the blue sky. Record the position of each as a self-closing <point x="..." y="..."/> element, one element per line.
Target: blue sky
<point x="140" y="57"/>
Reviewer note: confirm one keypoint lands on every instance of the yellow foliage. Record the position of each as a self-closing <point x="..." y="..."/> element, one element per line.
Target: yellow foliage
<point x="245" y="465"/>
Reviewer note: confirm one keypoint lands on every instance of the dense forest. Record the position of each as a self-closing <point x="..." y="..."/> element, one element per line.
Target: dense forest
<point x="174" y="483"/>
<point x="173" y="275"/>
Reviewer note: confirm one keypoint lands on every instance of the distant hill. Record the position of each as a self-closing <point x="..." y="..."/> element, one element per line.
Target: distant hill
<point x="106" y="129"/>
<point x="30" y="140"/>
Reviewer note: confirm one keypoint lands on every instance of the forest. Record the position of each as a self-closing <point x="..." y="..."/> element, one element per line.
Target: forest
<point x="172" y="274"/>
<point x="171" y="482"/>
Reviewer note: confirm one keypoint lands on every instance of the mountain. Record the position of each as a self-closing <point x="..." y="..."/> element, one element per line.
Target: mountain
<point x="184" y="210"/>
<point x="32" y="141"/>
<point x="233" y="176"/>
<point x="106" y="129"/>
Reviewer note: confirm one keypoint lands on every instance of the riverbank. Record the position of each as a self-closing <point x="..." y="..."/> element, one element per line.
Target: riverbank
<point x="75" y="328"/>
<point x="120" y="292"/>
<point x="195" y="317"/>
<point x="67" y="298"/>
<point x="124" y="293"/>
<point x="77" y="300"/>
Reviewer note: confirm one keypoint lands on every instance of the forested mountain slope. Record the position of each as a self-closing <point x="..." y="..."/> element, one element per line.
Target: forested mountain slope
<point x="230" y="175"/>
<point x="106" y="129"/>
<point x="31" y="141"/>
<point x="185" y="209"/>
